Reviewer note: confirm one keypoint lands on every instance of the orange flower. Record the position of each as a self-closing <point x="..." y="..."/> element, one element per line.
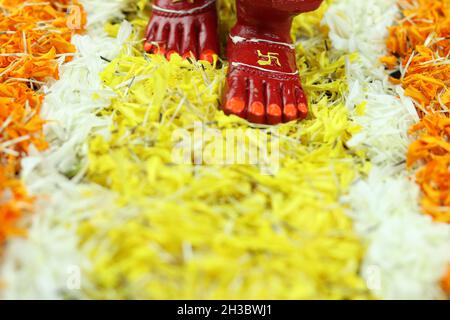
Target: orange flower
<point x="446" y="283"/>
<point x="421" y="45"/>
<point x="34" y="34"/>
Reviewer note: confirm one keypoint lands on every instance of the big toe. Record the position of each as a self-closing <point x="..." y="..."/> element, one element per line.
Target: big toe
<point x="235" y="96"/>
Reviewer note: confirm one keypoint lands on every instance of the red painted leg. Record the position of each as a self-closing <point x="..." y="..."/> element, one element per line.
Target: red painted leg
<point x="187" y="27"/>
<point x="263" y="84"/>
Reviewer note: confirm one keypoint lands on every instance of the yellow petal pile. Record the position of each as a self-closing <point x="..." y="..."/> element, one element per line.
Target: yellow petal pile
<point x="198" y="230"/>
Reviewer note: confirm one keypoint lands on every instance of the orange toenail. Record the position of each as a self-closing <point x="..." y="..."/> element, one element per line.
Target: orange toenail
<point x="303" y="108"/>
<point x="189" y="54"/>
<point x="273" y="114"/>
<point x="256" y="112"/>
<point x="235" y="105"/>
<point x="257" y="109"/>
<point x="274" y="110"/>
<point x="161" y="51"/>
<point x="208" y="55"/>
<point x="148" y="47"/>
<point x="170" y="53"/>
<point x="290" y="111"/>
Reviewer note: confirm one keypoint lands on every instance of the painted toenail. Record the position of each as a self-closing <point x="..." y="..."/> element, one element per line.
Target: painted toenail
<point x="209" y="56"/>
<point x="290" y="111"/>
<point x="161" y="51"/>
<point x="257" y="108"/>
<point x="188" y="54"/>
<point x="303" y="108"/>
<point x="274" y="110"/>
<point x="235" y="105"/>
<point x="170" y="53"/>
<point x="149" y="47"/>
<point x="256" y="113"/>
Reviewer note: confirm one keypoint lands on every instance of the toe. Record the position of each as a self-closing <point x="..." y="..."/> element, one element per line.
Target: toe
<point x="209" y="55"/>
<point x="188" y="41"/>
<point x="274" y="103"/>
<point x="256" y="112"/>
<point x="256" y="104"/>
<point x="302" y="102"/>
<point x="161" y="38"/>
<point x="174" y="39"/>
<point x="152" y="28"/>
<point x="208" y="43"/>
<point x="162" y="35"/>
<point x="290" y="107"/>
<point x="170" y="53"/>
<point x="189" y="54"/>
<point x="149" y="45"/>
<point x="161" y="49"/>
<point x="235" y="97"/>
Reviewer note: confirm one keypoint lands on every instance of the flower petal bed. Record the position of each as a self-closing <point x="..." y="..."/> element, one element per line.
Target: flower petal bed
<point x="116" y="180"/>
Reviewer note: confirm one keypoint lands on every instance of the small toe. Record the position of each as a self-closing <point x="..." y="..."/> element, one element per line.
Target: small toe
<point x="209" y="55"/>
<point x="256" y="103"/>
<point x="149" y="45"/>
<point x="274" y="103"/>
<point x="256" y="112"/>
<point x="208" y="39"/>
<point x="170" y="53"/>
<point x="173" y="42"/>
<point x="188" y="41"/>
<point x="290" y="106"/>
<point x="161" y="39"/>
<point x="151" y="30"/>
<point x="302" y="103"/>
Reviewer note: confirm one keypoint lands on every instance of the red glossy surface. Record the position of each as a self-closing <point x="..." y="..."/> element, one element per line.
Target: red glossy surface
<point x="263" y="84"/>
<point x="263" y="78"/>
<point x="189" y="28"/>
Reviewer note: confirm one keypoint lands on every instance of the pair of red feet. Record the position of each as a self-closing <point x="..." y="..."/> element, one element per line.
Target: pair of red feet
<point x="263" y="84"/>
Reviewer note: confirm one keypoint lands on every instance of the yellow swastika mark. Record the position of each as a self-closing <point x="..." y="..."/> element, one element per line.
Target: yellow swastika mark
<point x="269" y="59"/>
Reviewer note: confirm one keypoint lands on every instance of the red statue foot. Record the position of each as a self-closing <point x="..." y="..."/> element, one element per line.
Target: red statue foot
<point x="263" y="83"/>
<point x="187" y="27"/>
